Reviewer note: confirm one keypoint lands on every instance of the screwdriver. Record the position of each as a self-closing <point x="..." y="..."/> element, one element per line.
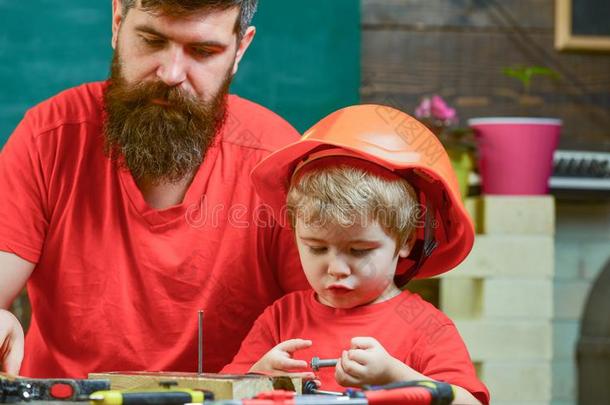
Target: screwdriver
<point x="168" y="397"/>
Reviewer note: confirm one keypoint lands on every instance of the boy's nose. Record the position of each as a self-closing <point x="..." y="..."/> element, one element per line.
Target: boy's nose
<point x="172" y="68"/>
<point x="338" y="268"/>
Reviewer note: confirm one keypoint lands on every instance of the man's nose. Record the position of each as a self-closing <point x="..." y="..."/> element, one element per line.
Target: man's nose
<point x="338" y="267"/>
<point x="172" y="68"/>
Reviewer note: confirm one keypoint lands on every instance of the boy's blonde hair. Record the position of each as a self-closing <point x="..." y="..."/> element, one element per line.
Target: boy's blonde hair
<point x="343" y="195"/>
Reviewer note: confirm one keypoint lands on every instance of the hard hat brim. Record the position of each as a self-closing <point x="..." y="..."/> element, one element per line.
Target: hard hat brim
<point x="271" y="179"/>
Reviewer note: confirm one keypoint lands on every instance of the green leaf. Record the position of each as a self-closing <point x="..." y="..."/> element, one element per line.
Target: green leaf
<point x="525" y="74"/>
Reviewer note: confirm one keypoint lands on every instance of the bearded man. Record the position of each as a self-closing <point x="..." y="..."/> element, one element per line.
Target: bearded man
<point x="126" y="205"/>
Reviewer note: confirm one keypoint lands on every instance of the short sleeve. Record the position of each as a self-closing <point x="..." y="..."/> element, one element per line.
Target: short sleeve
<point x="442" y="355"/>
<point x="23" y="213"/>
<point x="258" y="342"/>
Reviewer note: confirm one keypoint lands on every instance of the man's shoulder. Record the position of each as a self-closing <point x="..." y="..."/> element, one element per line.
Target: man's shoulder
<point x="76" y="105"/>
<point x="253" y="126"/>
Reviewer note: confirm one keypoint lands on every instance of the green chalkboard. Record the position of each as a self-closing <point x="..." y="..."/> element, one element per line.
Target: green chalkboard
<point x="303" y="64"/>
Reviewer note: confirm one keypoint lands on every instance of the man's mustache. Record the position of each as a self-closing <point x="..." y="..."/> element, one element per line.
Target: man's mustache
<point x="146" y="92"/>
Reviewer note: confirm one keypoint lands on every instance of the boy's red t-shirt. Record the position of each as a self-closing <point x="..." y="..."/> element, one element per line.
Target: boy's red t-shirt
<point x="409" y="328"/>
<point x="117" y="284"/>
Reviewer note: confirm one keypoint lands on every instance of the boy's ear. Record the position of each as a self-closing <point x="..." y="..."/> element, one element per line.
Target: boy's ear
<point x="408" y="246"/>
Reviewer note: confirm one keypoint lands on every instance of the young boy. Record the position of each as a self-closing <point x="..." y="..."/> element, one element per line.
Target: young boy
<point x="373" y="201"/>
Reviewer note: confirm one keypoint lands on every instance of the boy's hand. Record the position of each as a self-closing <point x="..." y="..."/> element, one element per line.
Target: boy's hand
<point x="279" y="359"/>
<point x="366" y="362"/>
<point x="11" y="343"/>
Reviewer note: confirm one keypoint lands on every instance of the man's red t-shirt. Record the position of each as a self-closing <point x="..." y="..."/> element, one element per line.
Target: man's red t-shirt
<point x="117" y="284"/>
<point x="409" y="328"/>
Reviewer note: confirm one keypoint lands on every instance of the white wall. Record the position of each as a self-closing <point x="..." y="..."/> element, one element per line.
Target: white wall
<point x="582" y="247"/>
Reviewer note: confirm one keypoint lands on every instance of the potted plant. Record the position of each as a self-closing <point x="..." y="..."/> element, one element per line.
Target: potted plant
<point x="516" y="153"/>
<point x="436" y="114"/>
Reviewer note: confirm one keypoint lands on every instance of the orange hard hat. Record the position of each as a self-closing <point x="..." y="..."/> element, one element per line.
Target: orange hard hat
<point x="400" y="143"/>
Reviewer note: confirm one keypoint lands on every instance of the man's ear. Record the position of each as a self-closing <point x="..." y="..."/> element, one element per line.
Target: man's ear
<point x="243" y="45"/>
<point x="408" y="246"/>
<point x="117" y="19"/>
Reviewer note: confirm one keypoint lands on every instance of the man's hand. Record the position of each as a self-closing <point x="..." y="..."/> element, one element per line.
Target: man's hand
<point x="279" y="359"/>
<point x="367" y="362"/>
<point x="11" y="343"/>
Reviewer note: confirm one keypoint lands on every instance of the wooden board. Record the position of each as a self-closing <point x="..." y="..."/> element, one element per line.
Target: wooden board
<point x="412" y="49"/>
<point x="454" y="13"/>
<point x="224" y="386"/>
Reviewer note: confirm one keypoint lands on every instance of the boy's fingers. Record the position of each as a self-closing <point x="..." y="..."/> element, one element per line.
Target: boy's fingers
<point x="354" y="369"/>
<point x="363" y="342"/>
<point x="305" y="375"/>
<point x="292" y="345"/>
<point x="287" y="364"/>
<point x="339" y="367"/>
<point x="351" y="367"/>
<point x="359" y="356"/>
<point x="342" y="377"/>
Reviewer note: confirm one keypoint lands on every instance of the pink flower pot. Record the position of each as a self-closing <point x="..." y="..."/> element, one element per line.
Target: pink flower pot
<point x="515" y="154"/>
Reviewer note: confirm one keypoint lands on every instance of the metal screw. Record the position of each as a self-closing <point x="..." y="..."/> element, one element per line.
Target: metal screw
<point x="200" y="342"/>
<point x="317" y="363"/>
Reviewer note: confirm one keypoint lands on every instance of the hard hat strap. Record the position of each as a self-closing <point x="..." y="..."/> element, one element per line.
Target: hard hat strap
<point x="422" y="249"/>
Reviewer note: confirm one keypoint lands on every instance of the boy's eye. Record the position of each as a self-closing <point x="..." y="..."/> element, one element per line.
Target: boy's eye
<point x="317" y="250"/>
<point x="361" y="252"/>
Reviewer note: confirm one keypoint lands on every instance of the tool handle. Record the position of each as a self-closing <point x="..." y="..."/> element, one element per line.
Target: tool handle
<point x="438" y="393"/>
<point x="153" y="398"/>
<point x="169" y="397"/>
<point x="410" y="395"/>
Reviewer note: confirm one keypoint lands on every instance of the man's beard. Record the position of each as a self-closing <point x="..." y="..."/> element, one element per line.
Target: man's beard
<point x="159" y="143"/>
